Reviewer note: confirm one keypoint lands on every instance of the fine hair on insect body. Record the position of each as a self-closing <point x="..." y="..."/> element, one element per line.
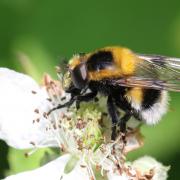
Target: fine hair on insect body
<point x="134" y="83"/>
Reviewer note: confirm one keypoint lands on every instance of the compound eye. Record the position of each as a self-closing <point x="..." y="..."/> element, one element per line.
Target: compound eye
<point x="79" y="76"/>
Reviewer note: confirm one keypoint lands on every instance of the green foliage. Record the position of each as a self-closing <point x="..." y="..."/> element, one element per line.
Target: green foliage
<point x="19" y="161"/>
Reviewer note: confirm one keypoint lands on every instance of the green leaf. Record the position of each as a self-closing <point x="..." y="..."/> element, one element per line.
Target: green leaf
<point x="19" y="162"/>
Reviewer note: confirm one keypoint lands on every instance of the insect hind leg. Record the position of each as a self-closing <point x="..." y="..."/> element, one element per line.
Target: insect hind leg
<point x="123" y="121"/>
<point x="112" y="109"/>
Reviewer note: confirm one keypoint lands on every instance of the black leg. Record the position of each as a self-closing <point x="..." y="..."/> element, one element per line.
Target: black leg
<point x="123" y="122"/>
<point x="78" y="99"/>
<point x="69" y="103"/>
<point x="86" y="97"/>
<point x="112" y="109"/>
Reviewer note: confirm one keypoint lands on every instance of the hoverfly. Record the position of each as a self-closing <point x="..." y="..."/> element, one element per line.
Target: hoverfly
<point x="135" y="83"/>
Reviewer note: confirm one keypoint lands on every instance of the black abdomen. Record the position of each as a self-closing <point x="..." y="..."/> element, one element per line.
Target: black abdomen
<point x="150" y="97"/>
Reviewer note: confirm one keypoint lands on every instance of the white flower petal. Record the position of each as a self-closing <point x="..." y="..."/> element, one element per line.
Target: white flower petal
<point x="140" y="169"/>
<point x="53" y="170"/>
<point x="20" y="95"/>
<point x="146" y="163"/>
<point x="113" y="176"/>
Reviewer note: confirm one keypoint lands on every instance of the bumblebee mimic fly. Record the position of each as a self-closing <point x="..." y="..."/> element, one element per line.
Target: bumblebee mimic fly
<point x="135" y="83"/>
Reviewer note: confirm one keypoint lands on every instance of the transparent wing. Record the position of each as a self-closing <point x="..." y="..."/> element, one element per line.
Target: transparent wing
<point x="156" y="72"/>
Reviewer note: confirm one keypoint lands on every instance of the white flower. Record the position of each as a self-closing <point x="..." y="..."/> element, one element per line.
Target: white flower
<point x="52" y="171"/>
<point x="83" y="135"/>
<point x="146" y="163"/>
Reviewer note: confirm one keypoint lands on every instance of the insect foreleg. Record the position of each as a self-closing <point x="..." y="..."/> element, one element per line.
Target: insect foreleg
<point x="86" y="97"/>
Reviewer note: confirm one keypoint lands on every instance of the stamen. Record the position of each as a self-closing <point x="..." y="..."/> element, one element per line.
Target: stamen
<point x="34" y="92"/>
<point x="81" y="132"/>
<point x="36" y="111"/>
<point x="90" y="172"/>
<point x="27" y="154"/>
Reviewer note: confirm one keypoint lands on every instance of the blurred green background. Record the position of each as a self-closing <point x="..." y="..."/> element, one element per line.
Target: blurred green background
<point x="36" y="35"/>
